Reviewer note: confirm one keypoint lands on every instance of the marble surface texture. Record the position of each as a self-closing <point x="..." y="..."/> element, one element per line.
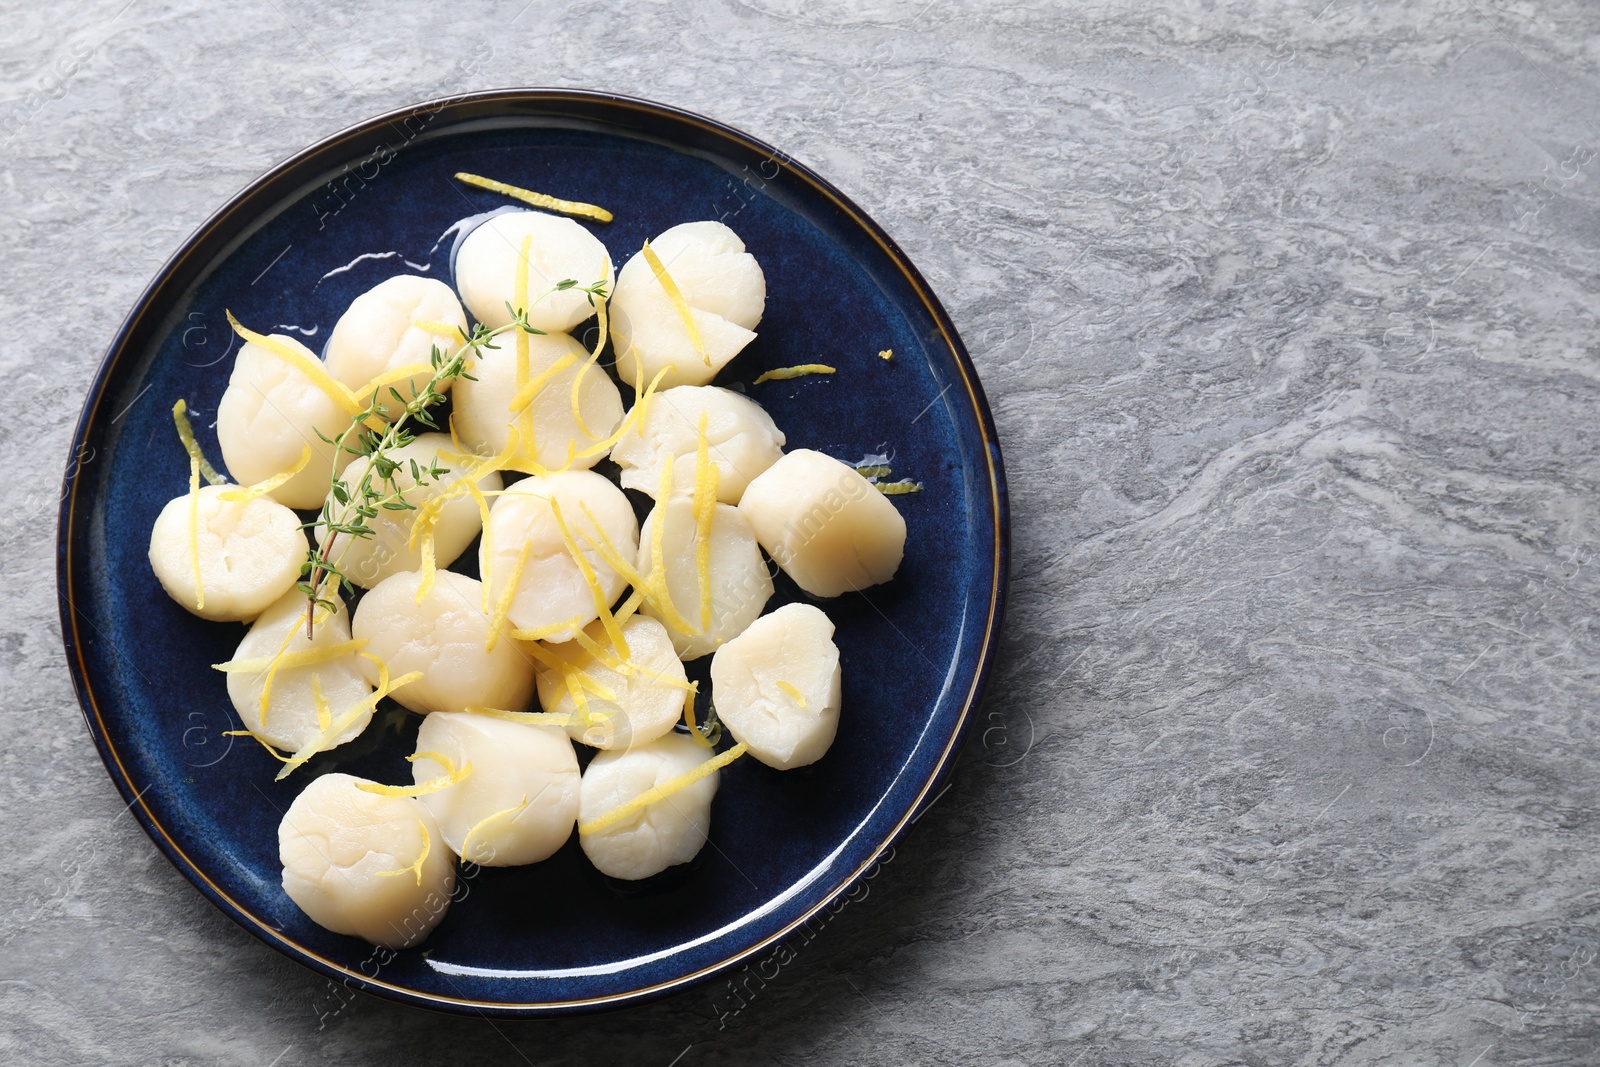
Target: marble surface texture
<point x="1287" y="314"/>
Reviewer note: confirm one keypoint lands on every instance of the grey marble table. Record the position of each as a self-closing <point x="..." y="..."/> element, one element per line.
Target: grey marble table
<point x="1287" y="315"/>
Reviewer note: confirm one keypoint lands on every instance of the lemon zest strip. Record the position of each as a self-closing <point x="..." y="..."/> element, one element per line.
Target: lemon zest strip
<point x="324" y="712"/>
<point x="394" y="377"/>
<point x="427" y="846"/>
<point x="440" y="329"/>
<point x="640" y="408"/>
<point x="793" y="692"/>
<point x="487" y="544"/>
<point x="561" y="664"/>
<point x="539" y="633"/>
<point x="266" y="485"/>
<point x="274" y="753"/>
<point x="513" y="811"/>
<point x="661" y="792"/>
<point x="544" y="200"/>
<point x="688" y="717"/>
<point x="592" y="684"/>
<point x="422" y="527"/>
<point x="288" y="660"/>
<point x="526" y="718"/>
<point x="678" y="302"/>
<point x="705" y="508"/>
<point x="784" y="373"/>
<point x="309" y="366"/>
<point x="608" y="550"/>
<point x="899" y="488"/>
<point x="180" y="419"/>
<point x="602" y="605"/>
<point x="629" y="606"/>
<point x="531" y="387"/>
<point x="656" y="581"/>
<point x="450" y="777"/>
<point x="580" y="699"/>
<point x="886" y="355"/>
<point x="428" y="564"/>
<point x="601" y="654"/>
<point x="554" y="662"/>
<point x="386" y="685"/>
<point x="272" y="670"/>
<point x="502" y="607"/>
<point x="303" y="658"/>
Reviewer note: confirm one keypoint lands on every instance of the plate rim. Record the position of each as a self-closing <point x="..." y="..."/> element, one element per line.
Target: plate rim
<point x="510" y="102"/>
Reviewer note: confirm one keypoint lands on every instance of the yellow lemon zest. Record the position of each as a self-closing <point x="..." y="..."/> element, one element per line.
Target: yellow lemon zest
<point x="661" y="792"/>
<point x="288" y="660"/>
<point x="794" y="693"/>
<point x="539" y="633"/>
<point x="601" y="654"/>
<point x="688" y="716"/>
<point x="705" y="508"/>
<point x="461" y="453"/>
<point x="320" y="702"/>
<point x="553" y="661"/>
<point x="452" y="775"/>
<point x="440" y="329"/>
<point x="274" y="753"/>
<point x="180" y="419"/>
<point x="656" y="581"/>
<point x="629" y="606"/>
<point x="272" y="668"/>
<point x="427" y="846"/>
<point x="886" y="355"/>
<point x="393" y="377"/>
<point x="513" y="811"/>
<point x="580" y="699"/>
<point x="502" y="607"/>
<point x="386" y="685"/>
<point x="678" y="302"/>
<point x="428" y="565"/>
<point x="531" y="387"/>
<point x="873" y="472"/>
<point x="783" y="373"/>
<point x="545" y="657"/>
<point x="602" y="605"/>
<point x="608" y="550"/>
<point x="422" y="526"/>
<point x="596" y="651"/>
<point x="607" y="656"/>
<point x="306" y="657"/>
<point x="267" y="485"/>
<point x="487" y="544"/>
<point x="309" y="366"/>
<point x="592" y="684"/>
<point x="640" y="407"/>
<point x="526" y="718"/>
<point x="899" y="488"/>
<point x="544" y="200"/>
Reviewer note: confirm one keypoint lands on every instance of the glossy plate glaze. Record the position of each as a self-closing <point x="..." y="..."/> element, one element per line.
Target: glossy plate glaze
<point x="288" y="254"/>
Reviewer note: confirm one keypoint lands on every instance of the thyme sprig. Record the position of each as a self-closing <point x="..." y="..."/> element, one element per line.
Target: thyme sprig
<point x="350" y="511"/>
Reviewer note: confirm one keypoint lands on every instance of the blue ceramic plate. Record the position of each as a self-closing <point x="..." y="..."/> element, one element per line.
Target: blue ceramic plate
<point x="288" y="254"/>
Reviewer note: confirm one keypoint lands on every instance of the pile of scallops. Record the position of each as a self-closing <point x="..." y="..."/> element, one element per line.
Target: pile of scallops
<point x="579" y="629"/>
